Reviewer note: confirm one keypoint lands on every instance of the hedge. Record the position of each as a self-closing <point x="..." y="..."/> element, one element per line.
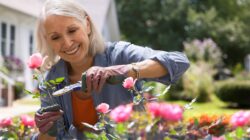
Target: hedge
<point x="234" y="91"/>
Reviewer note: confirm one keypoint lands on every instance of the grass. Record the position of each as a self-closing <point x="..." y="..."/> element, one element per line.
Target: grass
<point x="215" y="107"/>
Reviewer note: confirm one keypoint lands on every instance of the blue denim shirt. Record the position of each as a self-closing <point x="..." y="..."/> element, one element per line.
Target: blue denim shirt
<point x="115" y="54"/>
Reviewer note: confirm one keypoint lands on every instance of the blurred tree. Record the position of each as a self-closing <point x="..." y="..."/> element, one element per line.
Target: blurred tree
<point x="158" y="23"/>
<point x="224" y="21"/>
<point x="166" y="24"/>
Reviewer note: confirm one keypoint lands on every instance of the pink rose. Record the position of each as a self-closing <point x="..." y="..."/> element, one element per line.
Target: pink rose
<point x="240" y="118"/>
<point x="27" y="121"/>
<point x="35" y="61"/>
<point x="121" y="113"/>
<point x="166" y="111"/>
<point x="128" y="83"/>
<point x="6" y="122"/>
<point x="103" y="108"/>
<point x="154" y="109"/>
<point x="171" y="112"/>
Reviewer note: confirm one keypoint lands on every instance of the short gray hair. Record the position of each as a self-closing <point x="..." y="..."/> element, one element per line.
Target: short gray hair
<point x="68" y="8"/>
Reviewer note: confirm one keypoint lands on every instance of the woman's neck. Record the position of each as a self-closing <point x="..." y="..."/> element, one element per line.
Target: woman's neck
<point x="79" y="68"/>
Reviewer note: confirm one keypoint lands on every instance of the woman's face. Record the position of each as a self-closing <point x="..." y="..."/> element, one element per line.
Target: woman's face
<point x="68" y="37"/>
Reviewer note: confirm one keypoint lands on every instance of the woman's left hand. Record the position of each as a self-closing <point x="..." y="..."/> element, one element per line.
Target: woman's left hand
<point x="96" y="76"/>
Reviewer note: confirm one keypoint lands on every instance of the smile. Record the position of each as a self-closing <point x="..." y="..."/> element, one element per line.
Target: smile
<point x="73" y="51"/>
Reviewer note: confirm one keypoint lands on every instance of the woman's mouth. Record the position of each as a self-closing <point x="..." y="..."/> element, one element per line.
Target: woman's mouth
<point x="72" y="51"/>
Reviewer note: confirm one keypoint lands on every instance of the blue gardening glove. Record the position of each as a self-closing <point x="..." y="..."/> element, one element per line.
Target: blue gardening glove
<point x="96" y="76"/>
<point x="46" y="118"/>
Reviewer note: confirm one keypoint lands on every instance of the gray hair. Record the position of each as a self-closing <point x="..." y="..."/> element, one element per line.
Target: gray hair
<point x="65" y="8"/>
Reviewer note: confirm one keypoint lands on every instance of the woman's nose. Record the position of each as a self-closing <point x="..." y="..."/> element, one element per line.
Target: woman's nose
<point x="67" y="42"/>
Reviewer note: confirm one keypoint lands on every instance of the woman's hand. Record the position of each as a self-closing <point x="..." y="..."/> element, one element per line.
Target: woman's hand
<point x="96" y="76"/>
<point x="46" y="120"/>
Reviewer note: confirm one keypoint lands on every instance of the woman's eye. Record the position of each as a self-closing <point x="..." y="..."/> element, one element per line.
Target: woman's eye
<point x="72" y="30"/>
<point x="55" y="37"/>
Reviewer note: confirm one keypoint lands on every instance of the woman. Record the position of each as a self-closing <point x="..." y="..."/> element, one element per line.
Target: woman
<point x="68" y="37"/>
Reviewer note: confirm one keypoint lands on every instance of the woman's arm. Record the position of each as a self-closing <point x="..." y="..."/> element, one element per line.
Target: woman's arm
<point x="147" y="69"/>
<point x="153" y="65"/>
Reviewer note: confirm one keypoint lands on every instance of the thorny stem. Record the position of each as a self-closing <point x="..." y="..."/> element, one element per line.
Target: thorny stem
<point x="43" y="81"/>
<point x="141" y="105"/>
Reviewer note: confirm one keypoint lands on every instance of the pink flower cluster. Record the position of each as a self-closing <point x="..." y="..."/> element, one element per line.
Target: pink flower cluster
<point x="25" y="120"/>
<point x="168" y="112"/>
<point x="121" y="113"/>
<point x="240" y="118"/>
<point x="103" y="108"/>
<point x="6" y="122"/>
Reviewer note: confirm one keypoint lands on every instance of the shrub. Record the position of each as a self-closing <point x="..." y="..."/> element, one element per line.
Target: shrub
<point x="196" y="82"/>
<point x="234" y="91"/>
<point x="205" y="50"/>
<point x="13" y="64"/>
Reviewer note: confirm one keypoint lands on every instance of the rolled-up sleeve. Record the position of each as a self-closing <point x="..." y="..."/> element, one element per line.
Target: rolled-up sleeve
<point x="176" y="63"/>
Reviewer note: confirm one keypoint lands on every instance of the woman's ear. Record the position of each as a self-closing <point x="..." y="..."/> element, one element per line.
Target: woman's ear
<point x="88" y="25"/>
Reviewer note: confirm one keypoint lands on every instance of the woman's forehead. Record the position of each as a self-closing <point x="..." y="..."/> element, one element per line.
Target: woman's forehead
<point x="57" y="22"/>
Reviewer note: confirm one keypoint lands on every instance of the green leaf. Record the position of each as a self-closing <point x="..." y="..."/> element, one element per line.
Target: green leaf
<point x="27" y="92"/>
<point x="103" y="136"/>
<point x="113" y="137"/>
<point x="228" y="136"/>
<point x="164" y="92"/>
<point x="120" y="128"/>
<point x="52" y="82"/>
<point x="239" y="132"/>
<point x="47" y="84"/>
<point x="148" y="89"/>
<point x="59" y="80"/>
<point x="35" y="76"/>
<point x="166" y="89"/>
<point x="196" y="122"/>
<point x="90" y="135"/>
<point x="167" y="138"/>
<point x="172" y="132"/>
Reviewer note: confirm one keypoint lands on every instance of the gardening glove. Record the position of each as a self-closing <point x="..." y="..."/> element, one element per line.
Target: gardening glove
<point x="46" y="118"/>
<point x="96" y="76"/>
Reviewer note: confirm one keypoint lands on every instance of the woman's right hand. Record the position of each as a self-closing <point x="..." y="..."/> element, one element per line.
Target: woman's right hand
<point x="46" y="120"/>
<point x="96" y="76"/>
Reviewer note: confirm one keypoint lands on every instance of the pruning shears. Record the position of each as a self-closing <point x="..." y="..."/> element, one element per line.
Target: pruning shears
<point x="81" y="85"/>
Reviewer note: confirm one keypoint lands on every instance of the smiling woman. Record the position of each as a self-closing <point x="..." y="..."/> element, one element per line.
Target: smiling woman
<point x="67" y="36"/>
<point x="68" y="39"/>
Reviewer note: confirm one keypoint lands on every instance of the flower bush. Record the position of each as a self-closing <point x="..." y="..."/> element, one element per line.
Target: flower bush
<point x="13" y="64"/>
<point x="203" y="50"/>
<point x="162" y="120"/>
<point x="22" y="127"/>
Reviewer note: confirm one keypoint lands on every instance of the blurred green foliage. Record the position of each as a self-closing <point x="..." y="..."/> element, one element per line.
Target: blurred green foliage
<point x="197" y="83"/>
<point x="234" y="91"/>
<point x="166" y="24"/>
